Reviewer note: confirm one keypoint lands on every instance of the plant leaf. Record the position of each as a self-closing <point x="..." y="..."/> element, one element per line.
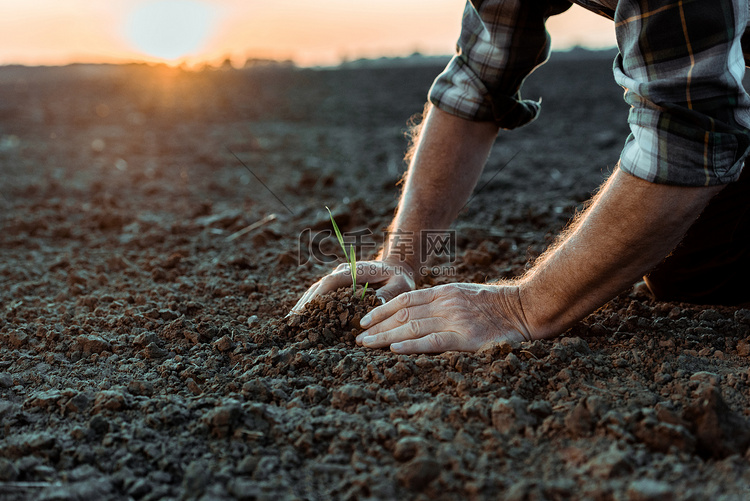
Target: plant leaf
<point x="353" y="267"/>
<point x="364" y="290"/>
<point x="338" y="234"/>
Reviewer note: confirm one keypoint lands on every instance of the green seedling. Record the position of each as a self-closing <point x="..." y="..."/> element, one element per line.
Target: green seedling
<point x="350" y="257"/>
<point x="364" y="290"/>
<point x="353" y="267"/>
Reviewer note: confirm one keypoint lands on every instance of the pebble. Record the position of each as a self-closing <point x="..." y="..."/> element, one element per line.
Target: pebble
<point x="224" y="344"/>
<point x="79" y="402"/>
<point x="579" y="420"/>
<point x="153" y="351"/>
<point x="510" y="415"/>
<point x="610" y="464"/>
<point x="742" y="316"/>
<point x="350" y="394"/>
<point x="743" y="348"/>
<point x="193" y="386"/>
<point x="197" y="476"/>
<point x="145" y="338"/>
<point x="222" y="419"/>
<point x="418" y="473"/>
<point x="108" y="400"/>
<point x="719" y="430"/>
<point x="99" y="424"/>
<point x="91" y="343"/>
<point x="409" y="447"/>
<point x="650" y="490"/>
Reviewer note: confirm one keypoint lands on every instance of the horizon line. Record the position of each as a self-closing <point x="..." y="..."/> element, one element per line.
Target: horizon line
<point x="228" y="62"/>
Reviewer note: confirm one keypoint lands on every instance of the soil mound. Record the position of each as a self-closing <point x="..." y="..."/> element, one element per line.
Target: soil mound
<point x="332" y="318"/>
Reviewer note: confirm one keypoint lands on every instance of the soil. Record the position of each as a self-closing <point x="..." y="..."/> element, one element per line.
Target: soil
<point x="144" y="348"/>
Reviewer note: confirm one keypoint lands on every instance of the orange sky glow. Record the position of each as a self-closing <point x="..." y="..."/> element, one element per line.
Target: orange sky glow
<point x="325" y="32"/>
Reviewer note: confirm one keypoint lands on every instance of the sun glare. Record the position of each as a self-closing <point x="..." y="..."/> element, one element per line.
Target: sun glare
<point x="170" y="29"/>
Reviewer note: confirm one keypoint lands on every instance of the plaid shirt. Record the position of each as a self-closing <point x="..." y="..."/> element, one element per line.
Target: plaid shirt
<point x="681" y="64"/>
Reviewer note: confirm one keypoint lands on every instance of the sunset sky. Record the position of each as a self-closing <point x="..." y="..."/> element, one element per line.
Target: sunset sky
<point x="309" y="32"/>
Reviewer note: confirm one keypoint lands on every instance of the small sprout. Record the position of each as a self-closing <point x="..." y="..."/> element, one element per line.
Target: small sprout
<point x="338" y="234"/>
<point x="350" y="257"/>
<point x="365" y="290"/>
<point x="353" y="267"/>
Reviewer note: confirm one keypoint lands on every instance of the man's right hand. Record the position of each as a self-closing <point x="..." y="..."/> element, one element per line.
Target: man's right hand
<point x="390" y="279"/>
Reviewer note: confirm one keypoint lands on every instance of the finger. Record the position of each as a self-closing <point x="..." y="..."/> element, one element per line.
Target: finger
<point x="391" y="290"/>
<point x="401" y="317"/>
<point x="335" y="280"/>
<point x="413" y="330"/>
<point x="338" y="278"/>
<point x="405" y="300"/>
<point x="437" y="342"/>
<point x="372" y="272"/>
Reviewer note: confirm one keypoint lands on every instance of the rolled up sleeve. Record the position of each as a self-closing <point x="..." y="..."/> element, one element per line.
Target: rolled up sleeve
<point x="501" y="43"/>
<point x="681" y="65"/>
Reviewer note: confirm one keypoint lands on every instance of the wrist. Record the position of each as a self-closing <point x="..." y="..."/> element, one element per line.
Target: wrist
<point x="510" y="312"/>
<point x="549" y="310"/>
<point x="536" y="311"/>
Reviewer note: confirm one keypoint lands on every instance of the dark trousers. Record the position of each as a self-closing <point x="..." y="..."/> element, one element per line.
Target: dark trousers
<point x="712" y="263"/>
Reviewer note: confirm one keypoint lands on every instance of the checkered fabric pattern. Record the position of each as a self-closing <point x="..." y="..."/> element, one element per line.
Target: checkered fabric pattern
<point x="681" y="64"/>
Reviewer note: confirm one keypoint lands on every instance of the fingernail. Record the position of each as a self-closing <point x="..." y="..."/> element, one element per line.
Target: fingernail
<point x="365" y="320"/>
<point x="367" y="340"/>
<point x="382" y="299"/>
<point x="359" y="339"/>
<point x="396" y="347"/>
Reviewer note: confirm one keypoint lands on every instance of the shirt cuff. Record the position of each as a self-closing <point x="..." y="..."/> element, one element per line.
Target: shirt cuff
<point x="460" y="92"/>
<point x="662" y="150"/>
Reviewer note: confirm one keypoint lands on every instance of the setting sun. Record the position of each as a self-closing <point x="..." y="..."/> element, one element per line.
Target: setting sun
<point x="170" y="29"/>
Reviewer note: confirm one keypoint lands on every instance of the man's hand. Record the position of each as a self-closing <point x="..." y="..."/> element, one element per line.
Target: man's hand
<point x="630" y="226"/>
<point x="446" y="164"/>
<point x="392" y="278"/>
<point x="460" y="317"/>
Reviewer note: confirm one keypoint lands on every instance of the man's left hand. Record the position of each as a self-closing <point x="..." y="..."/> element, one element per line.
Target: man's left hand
<point x="451" y="317"/>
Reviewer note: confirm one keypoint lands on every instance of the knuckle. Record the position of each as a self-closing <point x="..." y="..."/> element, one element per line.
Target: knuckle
<point x="442" y="293"/>
<point x="402" y="315"/>
<point x="412" y="329"/>
<point x="404" y="300"/>
<point x="436" y="342"/>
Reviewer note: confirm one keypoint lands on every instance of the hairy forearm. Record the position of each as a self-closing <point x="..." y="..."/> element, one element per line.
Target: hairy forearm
<point x="449" y="156"/>
<point x="628" y="229"/>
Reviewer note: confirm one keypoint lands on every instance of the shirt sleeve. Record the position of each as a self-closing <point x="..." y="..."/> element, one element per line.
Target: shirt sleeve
<point x="501" y="43"/>
<point x="681" y="64"/>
